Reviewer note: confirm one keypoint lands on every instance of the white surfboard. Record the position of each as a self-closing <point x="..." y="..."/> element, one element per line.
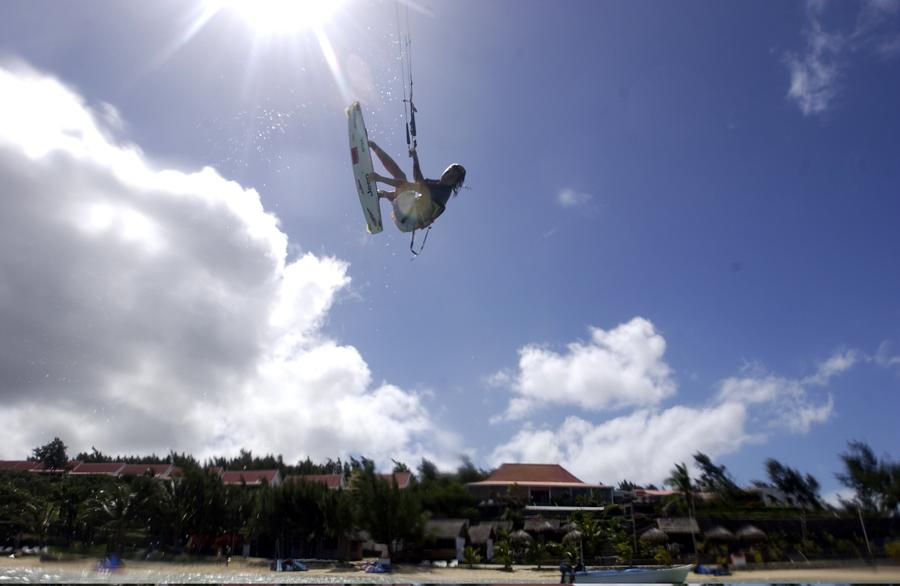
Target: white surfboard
<point x="361" y="158"/>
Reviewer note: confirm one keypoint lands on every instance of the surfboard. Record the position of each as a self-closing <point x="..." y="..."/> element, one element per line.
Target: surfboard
<point x="361" y="158"/>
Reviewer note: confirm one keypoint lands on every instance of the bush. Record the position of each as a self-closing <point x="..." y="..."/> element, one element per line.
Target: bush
<point x="663" y="557"/>
<point x="471" y="556"/>
<point x="626" y="553"/>
<point x="892" y="549"/>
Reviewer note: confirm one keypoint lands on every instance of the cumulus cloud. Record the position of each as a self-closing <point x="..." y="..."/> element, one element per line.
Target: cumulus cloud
<point x="787" y="403"/>
<point x="642" y="446"/>
<point x="816" y="72"/>
<point x="622" y="367"/>
<point x="147" y="309"/>
<point x="569" y="198"/>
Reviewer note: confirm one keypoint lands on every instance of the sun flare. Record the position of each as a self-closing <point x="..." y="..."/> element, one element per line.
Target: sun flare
<point x="269" y="17"/>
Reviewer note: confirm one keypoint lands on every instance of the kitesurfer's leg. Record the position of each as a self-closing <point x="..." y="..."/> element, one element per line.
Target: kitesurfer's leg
<point x="388" y="195"/>
<point x="389" y="163"/>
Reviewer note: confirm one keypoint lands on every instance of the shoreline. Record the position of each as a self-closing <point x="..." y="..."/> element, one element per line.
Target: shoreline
<point x="256" y="570"/>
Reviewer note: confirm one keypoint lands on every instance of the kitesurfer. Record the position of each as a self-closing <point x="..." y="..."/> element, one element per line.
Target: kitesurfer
<point x="419" y="202"/>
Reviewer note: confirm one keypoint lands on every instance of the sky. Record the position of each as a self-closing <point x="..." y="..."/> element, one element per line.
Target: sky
<point x="678" y="233"/>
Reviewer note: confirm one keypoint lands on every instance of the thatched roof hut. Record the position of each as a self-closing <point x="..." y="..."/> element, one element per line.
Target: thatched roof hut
<point x="719" y="533"/>
<point x="520" y="536"/>
<point x="538" y="525"/>
<point x="446" y="528"/>
<point x="678" y="525"/>
<point x="654" y="535"/>
<point x="500" y="525"/>
<point x="750" y="534"/>
<point x="480" y="534"/>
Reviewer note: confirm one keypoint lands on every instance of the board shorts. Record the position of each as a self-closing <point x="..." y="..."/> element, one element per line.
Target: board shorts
<point x="412" y="211"/>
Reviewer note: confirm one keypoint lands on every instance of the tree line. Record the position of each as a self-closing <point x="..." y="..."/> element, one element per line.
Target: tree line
<point x="196" y="513"/>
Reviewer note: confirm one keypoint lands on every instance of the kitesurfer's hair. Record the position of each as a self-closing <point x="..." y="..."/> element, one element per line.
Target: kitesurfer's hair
<point x="462" y="177"/>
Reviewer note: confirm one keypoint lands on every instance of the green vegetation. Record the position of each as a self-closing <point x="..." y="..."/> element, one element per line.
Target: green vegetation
<point x="196" y="514"/>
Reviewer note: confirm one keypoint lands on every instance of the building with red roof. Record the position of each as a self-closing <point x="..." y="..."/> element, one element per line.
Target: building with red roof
<point x="251" y="477"/>
<point x="104" y="468"/>
<point x="332" y="481"/>
<point x="538" y="485"/>
<point x="161" y="471"/>
<point x="403" y="479"/>
<point x="32" y="466"/>
<point x="20" y="465"/>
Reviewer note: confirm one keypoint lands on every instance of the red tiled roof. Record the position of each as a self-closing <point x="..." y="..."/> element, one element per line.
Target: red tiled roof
<point x="70" y="465"/>
<point x="111" y="468"/>
<point x="403" y="478"/>
<point x="141" y="469"/>
<point x="533" y="473"/>
<point x="249" y="477"/>
<point x="332" y="481"/>
<point x="20" y="465"/>
<point x="651" y="492"/>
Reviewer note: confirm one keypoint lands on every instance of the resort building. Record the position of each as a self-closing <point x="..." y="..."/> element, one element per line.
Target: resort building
<point x="541" y="488"/>
<point x="251" y="477"/>
<point x="98" y="469"/>
<point x="332" y="481"/>
<point x="77" y="468"/>
<point x="403" y="479"/>
<point x="161" y="471"/>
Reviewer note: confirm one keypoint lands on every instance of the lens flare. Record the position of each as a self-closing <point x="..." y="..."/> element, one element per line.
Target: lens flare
<point x="271" y="17"/>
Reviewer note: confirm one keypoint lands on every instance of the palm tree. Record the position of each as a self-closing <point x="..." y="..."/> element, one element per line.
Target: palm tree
<point x="680" y="480"/>
<point x="113" y="506"/>
<point x="39" y="516"/>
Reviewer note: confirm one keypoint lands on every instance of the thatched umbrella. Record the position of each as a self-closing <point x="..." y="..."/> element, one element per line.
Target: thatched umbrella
<point x="520" y="537"/>
<point x="574" y="536"/>
<point x="654" y="535"/>
<point x="719" y="533"/>
<point x="751" y="534"/>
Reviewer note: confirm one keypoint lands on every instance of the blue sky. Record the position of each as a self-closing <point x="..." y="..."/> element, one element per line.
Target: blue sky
<point x="679" y="234"/>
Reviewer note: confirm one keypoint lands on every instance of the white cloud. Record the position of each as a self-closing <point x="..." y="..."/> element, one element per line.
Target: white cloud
<point x="837" y="498"/>
<point x="622" y="367"/>
<point x="884" y="356"/>
<point x="832" y="367"/>
<point x="144" y="309"/>
<point x="569" y="198"/>
<point x="642" y="446"/>
<point x="816" y="72"/>
<point x="783" y="402"/>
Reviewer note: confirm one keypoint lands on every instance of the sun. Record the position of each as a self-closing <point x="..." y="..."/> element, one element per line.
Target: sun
<point x="272" y="17"/>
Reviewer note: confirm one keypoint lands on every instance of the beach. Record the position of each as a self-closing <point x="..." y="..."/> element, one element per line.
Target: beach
<point x="242" y="571"/>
